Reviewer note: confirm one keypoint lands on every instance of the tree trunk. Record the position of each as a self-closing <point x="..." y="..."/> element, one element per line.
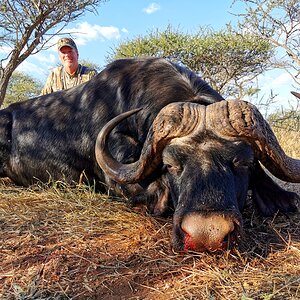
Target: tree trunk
<point x="3" y="85"/>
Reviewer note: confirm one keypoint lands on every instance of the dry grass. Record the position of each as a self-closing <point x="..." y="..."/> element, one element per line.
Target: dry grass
<point x="63" y="243"/>
<point x="290" y="141"/>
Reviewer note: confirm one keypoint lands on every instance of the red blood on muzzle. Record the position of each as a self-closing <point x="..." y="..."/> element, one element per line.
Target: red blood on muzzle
<point x="206" y="232"/>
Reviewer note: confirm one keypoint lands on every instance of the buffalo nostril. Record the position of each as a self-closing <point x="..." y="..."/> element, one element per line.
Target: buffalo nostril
<point x="211" y="232"/>
<point x="227" y="241"/>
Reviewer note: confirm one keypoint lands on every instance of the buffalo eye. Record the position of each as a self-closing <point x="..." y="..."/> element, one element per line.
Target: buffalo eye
<point x="241" y="164"/>
<point x="174" y="169"/>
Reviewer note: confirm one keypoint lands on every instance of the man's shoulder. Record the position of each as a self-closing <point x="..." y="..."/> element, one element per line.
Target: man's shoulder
<point x="56" y="71"/>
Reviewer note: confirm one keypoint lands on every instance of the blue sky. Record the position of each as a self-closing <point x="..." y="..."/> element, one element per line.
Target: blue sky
<point x="119" y="20"/>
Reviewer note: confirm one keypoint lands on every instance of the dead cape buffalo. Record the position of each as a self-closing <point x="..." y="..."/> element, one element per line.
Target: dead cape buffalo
<point x="158" y="134"/>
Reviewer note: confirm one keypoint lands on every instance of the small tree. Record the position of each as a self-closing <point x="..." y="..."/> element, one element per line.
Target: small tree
<point x="278" y="22"/>
<point x="228" y="61"/>
<point x="288" y="119"/>
<point x="21" y="87"/>
<point x="25" y="28"/>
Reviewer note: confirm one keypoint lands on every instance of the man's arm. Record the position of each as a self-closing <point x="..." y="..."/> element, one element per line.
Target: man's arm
<point x="47" y="89"/>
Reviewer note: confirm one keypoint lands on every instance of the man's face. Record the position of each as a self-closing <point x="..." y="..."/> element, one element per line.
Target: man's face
<point x="68" y="57"/>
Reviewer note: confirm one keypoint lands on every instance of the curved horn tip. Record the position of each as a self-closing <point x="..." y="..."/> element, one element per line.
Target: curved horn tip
<point x="296" y="94"/>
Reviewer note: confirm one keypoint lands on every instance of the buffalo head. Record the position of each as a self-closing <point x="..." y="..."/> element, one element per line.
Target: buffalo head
<point x="201" y="161"/>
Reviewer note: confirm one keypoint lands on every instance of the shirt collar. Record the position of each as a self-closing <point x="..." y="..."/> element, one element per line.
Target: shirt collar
<point x="75" y="74"/>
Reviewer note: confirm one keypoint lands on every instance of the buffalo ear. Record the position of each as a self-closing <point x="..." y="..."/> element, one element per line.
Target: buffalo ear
<point x="269" y="197"/>
<point x="156" y="196"/>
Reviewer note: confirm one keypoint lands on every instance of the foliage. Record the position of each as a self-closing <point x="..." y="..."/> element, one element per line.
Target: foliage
<point x="288" y="119"/>
<point x="26" y="26"/>
<point x="89" y="64"/>
<point x="225" y="59"/>
<point x="21" y="87"/>
<point x="278" y="22"/>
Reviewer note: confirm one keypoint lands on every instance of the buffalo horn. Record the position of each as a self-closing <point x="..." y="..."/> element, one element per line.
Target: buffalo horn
<point x="233" y="119"/>
<point x="296" y="94"/>
<point x="173" y="121"/>
<point x="242" y="120"/>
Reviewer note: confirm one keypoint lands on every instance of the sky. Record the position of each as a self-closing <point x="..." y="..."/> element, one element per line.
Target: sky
<point x="117" y="20"/>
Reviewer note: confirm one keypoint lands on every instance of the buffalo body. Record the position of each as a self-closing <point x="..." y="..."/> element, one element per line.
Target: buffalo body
<point x="158" y="131"/>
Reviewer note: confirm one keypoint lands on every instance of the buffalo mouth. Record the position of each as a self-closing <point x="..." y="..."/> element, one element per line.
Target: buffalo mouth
<point x="205" y="232"/>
